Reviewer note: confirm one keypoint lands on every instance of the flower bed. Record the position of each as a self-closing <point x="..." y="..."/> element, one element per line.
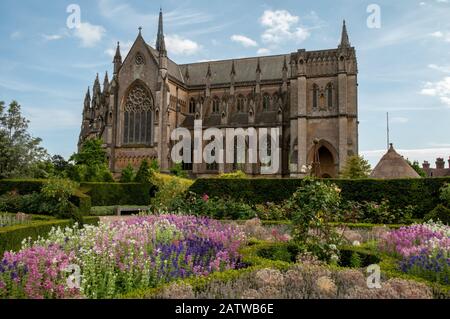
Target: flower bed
<point x="424" y="250"/>
<point x="118" y="257"/>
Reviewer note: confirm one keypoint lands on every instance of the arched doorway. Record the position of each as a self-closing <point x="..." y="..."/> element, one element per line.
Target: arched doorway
<point x="327" y="167"/>
<point x="326" y="155"/>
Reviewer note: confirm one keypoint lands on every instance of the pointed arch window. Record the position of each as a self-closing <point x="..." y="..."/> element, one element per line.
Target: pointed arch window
<point x="138" y="116"/>
<point x="216" y="106"/>
<point x="266" y="103"/>
<point x="240" y="107"/>
<point x="315" y="96"/>
<point x="192" y="106"/>
<point x="330" y="95"/>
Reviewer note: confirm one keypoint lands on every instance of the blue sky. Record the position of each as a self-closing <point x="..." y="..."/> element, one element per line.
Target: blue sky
<point x="404" y="66"/>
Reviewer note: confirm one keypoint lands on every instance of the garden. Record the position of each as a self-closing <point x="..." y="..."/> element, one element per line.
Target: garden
<point x="313" y="240"/>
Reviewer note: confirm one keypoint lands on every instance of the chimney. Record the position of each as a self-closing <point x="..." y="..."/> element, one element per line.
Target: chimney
<point x="440" y="163"/>
<point x="426" y="165"/>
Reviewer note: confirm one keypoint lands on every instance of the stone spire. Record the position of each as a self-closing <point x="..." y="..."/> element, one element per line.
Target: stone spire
<point x="106" y="83"/>
<point x="345" y="42"/>
<point x="117" y="59"/>
<point x="186" y="75"/>
<point x="233" y="70"/>
<point x="208" y="73"/>
<point x="160" y="42"/>
<point x="96" y="88"/>
<point x="258" y="66"/>
<point x="87" y="100"/>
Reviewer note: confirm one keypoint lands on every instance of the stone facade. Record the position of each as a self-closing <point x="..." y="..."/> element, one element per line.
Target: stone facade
<point x="439" y="171"/>
<point x="309" y="95"/>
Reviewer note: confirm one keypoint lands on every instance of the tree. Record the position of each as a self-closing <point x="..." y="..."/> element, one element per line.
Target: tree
<point x="91" y="153"/>
<point x="145" y="173"/>
<point x="91" y="163"/>
<point x="19" y="151"/>
<point x="356" y="167"/>
<point x="415" y="165"/>
<point x="127" y="174"/>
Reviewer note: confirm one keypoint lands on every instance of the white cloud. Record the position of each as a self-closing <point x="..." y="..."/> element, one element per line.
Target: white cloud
<point x="282" y="26"/>
<point x="243" y="40"/>
<point x="181" y="46"/>
<point x="441" y="35"/>
<point x="439" y="89"/>
<point x="89" y="34"/>
<point x="399" y="120"/>
<point x="440" y="68"/>
<point x="263" y="51"/>
<point x="16" y="35"/>
<point x="52" y="37"/>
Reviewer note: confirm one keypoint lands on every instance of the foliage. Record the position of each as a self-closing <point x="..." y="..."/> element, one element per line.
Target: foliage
<point x="110" y="194"/>
<point x="177" y="170"/>
<point x="234" y="175"/>
<point x="142" y="252"/>
<point x="127" y="175"/>
<point x="416" y="166"/>
<point x="356" y="167"/>
<point x="376" y="213"/>
<point x="144" y="173"/>
<point x="56" y="194"/>
<point x="91" y="153"/>
<point x="171" y="192"/>
<point x="422" y="193"/>
<point x="445" y="194"/>
<point x="439" y="213"/>
<point x="19" y="151"/>
<point x="312" y="205"/>
<point x="91" y="163"/>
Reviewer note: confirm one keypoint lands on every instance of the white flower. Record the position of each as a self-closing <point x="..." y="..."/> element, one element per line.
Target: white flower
<point x="356" y="243"/>
<point x="334" y="257"/>
<point x="333" y="247"/>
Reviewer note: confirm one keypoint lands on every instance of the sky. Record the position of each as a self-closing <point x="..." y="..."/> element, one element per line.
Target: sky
<point x="403" y="51"/>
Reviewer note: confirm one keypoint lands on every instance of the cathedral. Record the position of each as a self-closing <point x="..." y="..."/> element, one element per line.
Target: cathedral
<point x="310" y="96"/>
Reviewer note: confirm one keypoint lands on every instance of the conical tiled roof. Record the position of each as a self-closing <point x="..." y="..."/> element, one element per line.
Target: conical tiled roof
<point x="392" y="165"/>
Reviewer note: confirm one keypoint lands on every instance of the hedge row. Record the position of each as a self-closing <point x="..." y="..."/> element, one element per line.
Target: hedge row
<point x="11" y="237"/>
<point x="422" y="193"/>
<point x="111" y="194"/>
<point x="102" y="194"/>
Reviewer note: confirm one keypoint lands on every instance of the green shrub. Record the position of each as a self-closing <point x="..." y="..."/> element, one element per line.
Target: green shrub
<point x="233" y="175"/>
<point x="11" y="237"/>
<point x="21" y="186"/>
<point x="111" y="194"/>
<point x="145" y="173"/>
<point x="440" y="212"/>
<point x="127" y="175"/>
<point x="313" y="206"/>
<point x="422" y="193"/>
<point x="445" y="194"/>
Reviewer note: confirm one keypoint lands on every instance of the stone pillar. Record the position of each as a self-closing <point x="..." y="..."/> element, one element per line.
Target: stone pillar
<point x="343" y="121"/>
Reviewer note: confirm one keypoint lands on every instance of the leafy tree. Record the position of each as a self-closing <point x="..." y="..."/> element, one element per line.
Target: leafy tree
<point x="416" y="166"/>
<point x="145" y="173"/>
<point x="91" y="163"/>
<point x="127" y="174"/>
<point x="19" y="151"/>
<point x="60" y="165"/>
<point x="356" y="167"/>
<point x="91" y="153"/>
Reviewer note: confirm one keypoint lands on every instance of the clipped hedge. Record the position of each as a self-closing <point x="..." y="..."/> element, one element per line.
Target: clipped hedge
<point x="111" y="194"/>
<point x="422" y="193"/>
<point x="102" y="194"/>
<point x="21" y="186"/>
<point x="11" y="237"/>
